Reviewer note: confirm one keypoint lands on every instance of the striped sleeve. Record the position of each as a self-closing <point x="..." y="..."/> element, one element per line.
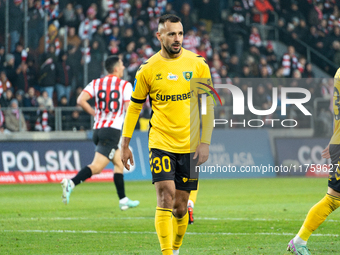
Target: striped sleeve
<point x="90" y="89"/>
<point x="127" y="92"/>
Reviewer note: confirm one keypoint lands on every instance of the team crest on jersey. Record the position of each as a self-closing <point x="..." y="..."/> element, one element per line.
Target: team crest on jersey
<point x="187" y="75"/>
<point x="172" y="77"/>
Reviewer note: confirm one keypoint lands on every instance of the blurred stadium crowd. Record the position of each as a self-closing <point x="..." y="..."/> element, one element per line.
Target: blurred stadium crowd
<point x="49" y="72"/>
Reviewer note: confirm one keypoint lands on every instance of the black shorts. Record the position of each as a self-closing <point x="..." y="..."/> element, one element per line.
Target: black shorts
<point x="334" y="172"/>
<point x="106" y="141"/>
<point x="174" y="166"/>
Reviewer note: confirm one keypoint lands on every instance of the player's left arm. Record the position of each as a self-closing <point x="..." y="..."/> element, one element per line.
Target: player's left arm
<point x="202" y="150"/>
<point x="82" y="101"/>
<point x="208" y="122"/>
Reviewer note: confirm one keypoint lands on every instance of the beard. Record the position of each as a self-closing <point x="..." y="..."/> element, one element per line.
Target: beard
<point x="170" y="50"/>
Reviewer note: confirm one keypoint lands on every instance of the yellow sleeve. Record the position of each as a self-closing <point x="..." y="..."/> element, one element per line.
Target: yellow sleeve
<point x="141" y="86"/>
<point x="139" y="94"/>
<point x="208" y="122"/>
<point x="208" y="119"/>
<point x="205" y="71"/>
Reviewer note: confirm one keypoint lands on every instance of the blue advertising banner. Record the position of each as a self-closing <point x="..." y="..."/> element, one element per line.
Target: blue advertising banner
<point x="233" y="154"/>
<point x="140" y="151"/>
<point x="239" y="154"/>
<point x="67" y="156"/>
<point x="302" y="156"/>
<point x="43" y="156"/>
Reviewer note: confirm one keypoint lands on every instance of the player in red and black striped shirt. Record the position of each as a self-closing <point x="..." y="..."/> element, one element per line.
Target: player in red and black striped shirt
<point x="112" y="96"/>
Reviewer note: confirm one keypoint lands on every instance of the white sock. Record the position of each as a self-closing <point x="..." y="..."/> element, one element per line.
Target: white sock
<point x="72" y="184"/>
<point x="191" y="203"/>
<point x="123" y="200"/>
<point x="298" y="240"/>
<point x="175" y="252"/>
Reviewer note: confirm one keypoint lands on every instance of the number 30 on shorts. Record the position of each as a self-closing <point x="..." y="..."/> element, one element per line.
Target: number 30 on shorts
<point x="158" y="164"/>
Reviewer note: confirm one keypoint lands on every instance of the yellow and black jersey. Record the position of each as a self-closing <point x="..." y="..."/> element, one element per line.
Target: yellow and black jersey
<point x="174" y="103"/>
<point x="336" y="108"/>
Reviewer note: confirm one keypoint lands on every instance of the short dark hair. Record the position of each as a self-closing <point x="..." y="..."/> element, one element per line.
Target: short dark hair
<point x="169" y="17"/>
<point x="110" y="63"/>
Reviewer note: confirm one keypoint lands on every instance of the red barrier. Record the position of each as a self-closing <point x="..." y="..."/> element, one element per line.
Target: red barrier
<point x="34" y="177"/>
<point x="318" y="170"/>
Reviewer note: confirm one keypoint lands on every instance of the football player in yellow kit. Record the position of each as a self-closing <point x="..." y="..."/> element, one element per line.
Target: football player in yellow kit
<point x="331" y="201"/>
<point x="175" y="145"/>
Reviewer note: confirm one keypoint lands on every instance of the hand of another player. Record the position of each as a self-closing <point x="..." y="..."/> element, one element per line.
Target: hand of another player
<point x="126" y="155"/>
<point x="325" y="152"/>
<point x="202" y="151"/>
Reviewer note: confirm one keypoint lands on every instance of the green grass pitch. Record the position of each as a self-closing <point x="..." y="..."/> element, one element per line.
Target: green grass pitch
<point x="232" y="216"/>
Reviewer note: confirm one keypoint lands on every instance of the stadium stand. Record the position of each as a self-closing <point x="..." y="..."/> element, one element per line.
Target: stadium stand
<point x="240" y="40"/>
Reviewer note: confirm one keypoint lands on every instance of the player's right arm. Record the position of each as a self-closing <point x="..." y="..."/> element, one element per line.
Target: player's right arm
<point x="84" y="96"/>
<point x="325" y="153"/>
<point x="125" y="153"/>
<point x="141" y="90"/>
